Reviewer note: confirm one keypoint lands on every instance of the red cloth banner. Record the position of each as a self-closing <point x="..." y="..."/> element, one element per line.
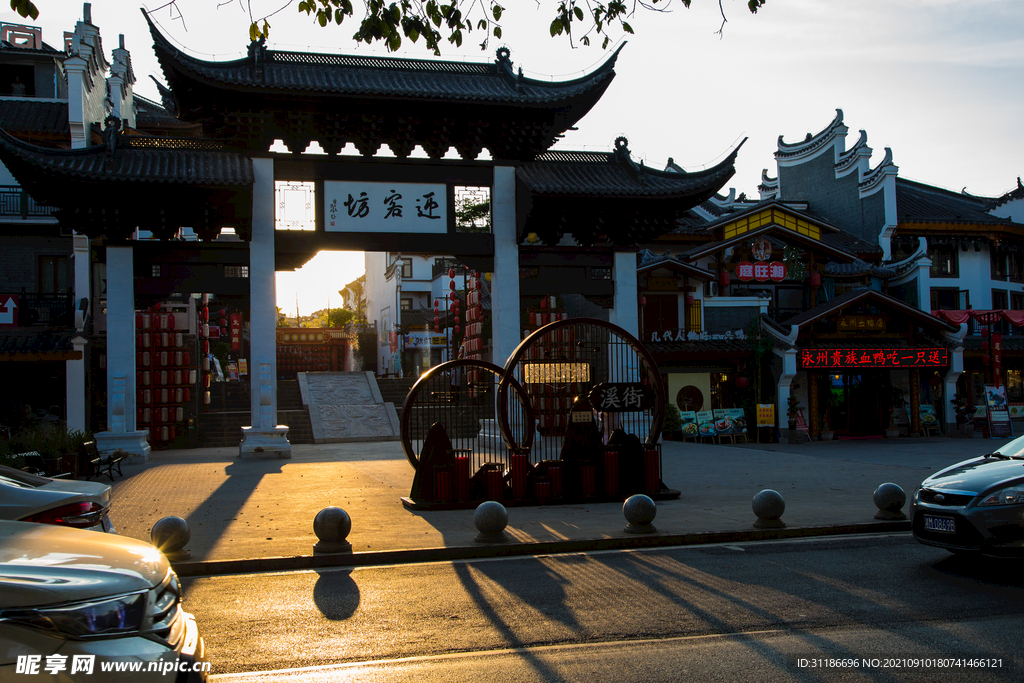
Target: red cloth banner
<point x="1015" y="318"/>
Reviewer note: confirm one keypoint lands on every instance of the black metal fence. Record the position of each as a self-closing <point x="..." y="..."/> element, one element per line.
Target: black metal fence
<point x="46" y="310"/>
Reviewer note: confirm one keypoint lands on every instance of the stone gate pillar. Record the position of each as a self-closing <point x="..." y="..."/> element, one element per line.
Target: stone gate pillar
<point x="625" y="312"/>
<point x="505" y="280"/>
<point x="264" y="438"/>
<point x="121" y="432"/>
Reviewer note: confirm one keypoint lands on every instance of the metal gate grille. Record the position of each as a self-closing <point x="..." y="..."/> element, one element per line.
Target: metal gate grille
<point x="568" y="359"/>
<point x="461" y="395"/>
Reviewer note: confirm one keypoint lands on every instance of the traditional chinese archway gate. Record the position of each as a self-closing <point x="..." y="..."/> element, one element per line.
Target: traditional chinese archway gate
<point x="228" y="178"/>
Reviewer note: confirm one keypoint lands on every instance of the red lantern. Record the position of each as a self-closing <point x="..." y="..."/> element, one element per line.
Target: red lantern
<point x="436" y="304"/>
<point x="451" y="285"/>
<point x="451" y="272"/>
<point x="457" y="328"/>
<point x="436" y="328"/>
<point x="723" y="278"/>
<point x="742" y="382"/>
<point x="815" y="279"/>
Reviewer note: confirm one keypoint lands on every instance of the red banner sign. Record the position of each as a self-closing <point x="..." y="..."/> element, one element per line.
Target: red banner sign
<point x="761" y="271"/>
<point x="813" y="359"/>
<point x="235" y="322"/>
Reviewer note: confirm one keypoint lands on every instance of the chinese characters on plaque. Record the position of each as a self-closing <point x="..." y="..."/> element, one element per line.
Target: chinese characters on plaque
<point x="385" y="207"/>
<point x="614" y="397"/>
<point x="871" y="323"/>
<point x="761" y="271"/>
<point x="812" y="359"/>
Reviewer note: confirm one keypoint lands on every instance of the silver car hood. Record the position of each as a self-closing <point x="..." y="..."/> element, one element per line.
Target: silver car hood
<point x="42" y="564"/>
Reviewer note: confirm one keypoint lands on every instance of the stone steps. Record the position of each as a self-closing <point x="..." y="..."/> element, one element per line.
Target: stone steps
<point x="221" y="425"/>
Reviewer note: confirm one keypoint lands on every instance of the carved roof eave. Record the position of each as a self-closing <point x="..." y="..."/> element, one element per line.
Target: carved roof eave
<point x="558" y="174"/>
<point x="804" y="148"/>
<point x="247" y="76"/>
<point x="99" y="191"/>
<point x="823" y="310"/>
<point x="671" y="263"/>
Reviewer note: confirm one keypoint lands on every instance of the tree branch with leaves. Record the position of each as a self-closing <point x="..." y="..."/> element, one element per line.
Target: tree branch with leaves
<point x="436" y="21"/>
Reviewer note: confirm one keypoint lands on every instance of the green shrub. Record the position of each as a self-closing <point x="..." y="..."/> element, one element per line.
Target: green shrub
<point x="673" y="422"/>
<point x="49" y="440"/>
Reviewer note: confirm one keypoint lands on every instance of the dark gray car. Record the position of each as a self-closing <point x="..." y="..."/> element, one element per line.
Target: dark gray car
<point x="976" y="506"/>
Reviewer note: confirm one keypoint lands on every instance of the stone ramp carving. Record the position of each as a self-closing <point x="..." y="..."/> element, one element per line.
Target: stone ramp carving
<point x="347" y="406"/>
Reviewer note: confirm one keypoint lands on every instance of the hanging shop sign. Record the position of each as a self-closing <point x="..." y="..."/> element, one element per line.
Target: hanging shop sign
<point x="761" y="271"/>
<point x="868" y="323"/>
<point x="235" y="322"/>
<point x="425" y="340"/>
<point x="615" y="397"/>
<point x="813" y="359"/>
<point x="385" y="207"/>
<point x="555" y="373"/>
<point x="681" y="335"/>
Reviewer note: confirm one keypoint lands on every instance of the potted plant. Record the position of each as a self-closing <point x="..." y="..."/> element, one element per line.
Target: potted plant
<point x="964" y="411"/>
<point x="673" y="426"/>
<point x="792" y="408"/>
<point x="895" y="399"/>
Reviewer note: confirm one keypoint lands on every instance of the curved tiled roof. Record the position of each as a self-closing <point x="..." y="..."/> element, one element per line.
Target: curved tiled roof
<point x="920" y="203"/>
<point x="812" y="142"/>
<point x="376" y="77"/>
<point x="134" y="160"/>
<point x="27" y="115"/>
<point x="615" y="174"/>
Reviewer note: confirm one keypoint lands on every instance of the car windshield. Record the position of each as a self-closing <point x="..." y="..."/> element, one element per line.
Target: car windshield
<point x="1014" y="449"/>
<point x="13" y="477"/>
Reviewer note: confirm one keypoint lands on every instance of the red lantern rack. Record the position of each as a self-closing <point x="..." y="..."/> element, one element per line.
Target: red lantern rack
<point x="166" y="375"/>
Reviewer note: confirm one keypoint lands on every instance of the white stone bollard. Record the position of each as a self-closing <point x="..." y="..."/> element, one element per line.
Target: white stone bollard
<point x="890" y="499"/>
<point x="769" y="505"/>
<point x="639" y="511"/>
<point x="332" y="526"/>
<point x="170" y="535"/>
<point x="490" y="519"/>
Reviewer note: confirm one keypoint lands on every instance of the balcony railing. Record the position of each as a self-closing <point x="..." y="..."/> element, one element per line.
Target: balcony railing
<point x="14" y="201"/>
<point x="45" y="310"/>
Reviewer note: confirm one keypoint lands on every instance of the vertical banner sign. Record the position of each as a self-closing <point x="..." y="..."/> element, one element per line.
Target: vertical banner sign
<point x="998" y="411"/>
<point x="997" y="358"/>
<point x="235" y="321"/>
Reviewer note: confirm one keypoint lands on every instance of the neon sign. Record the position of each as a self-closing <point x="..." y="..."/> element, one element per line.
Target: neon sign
<point x="812" y="359"/>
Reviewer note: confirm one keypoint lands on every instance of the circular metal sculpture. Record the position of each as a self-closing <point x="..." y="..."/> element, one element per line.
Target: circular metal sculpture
<point x="460" y="396"/>
<point x="568" y="361"/>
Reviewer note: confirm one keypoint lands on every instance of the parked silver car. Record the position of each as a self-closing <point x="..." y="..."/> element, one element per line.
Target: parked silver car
<point x="67" y="502"/>
<point x="976" y="506"/>
<point x="78" y="605"/>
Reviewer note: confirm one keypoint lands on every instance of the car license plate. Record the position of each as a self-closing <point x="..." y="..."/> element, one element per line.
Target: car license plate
<point x="944" y="524"/>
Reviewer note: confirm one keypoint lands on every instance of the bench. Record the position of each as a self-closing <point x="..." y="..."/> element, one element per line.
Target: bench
<point x="92" y="463"/>
<point x="37" y="464"/>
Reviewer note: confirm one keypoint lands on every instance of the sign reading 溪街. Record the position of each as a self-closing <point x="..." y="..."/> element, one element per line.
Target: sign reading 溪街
<point x="385" y="207"/>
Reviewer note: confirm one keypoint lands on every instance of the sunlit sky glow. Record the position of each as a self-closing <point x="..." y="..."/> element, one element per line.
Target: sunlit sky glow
<point x="941" y="82"/>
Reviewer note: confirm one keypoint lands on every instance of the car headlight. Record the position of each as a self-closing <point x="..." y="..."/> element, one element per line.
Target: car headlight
<point x="123" y="614"/>
<point x="1011" y="495"/>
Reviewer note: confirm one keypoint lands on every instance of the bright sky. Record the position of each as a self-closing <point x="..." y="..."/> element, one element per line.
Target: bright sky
<point x="941" y="82"/>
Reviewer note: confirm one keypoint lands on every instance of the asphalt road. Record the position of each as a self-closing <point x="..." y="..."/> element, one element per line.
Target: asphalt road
<point x="745" y="612"/>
